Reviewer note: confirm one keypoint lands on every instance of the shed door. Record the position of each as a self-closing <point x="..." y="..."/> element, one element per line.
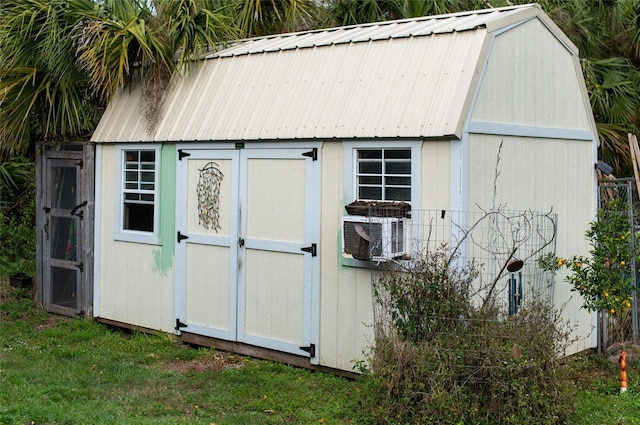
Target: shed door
<point x="248" y="251"/>
<point x="65" y="223"/>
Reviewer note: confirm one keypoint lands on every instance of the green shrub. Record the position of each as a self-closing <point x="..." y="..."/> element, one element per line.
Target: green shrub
<point x="17" y="239"/>
<point x="447" y="360"/>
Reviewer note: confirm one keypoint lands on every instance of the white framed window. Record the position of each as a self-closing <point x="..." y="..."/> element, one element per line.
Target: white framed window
<point x="383" y="171"/>
<point x="383" y="174"/>
<point x="138" y="172"/>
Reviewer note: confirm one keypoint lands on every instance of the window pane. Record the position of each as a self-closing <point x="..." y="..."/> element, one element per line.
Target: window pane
<point x="146" y="186"/>
<point x="131" y="156"/>
<point x="370" y="154"/>
<point x="398" y="167"/>
<point x="131" y="176"/>
<point x="146" y="197"/>
<point x="147" y="176"/>
<point x="131" y="197"/>
<point x="370" y="180"/>
<point x="398" y="194"/>
<point x="398" y="154"/>
<point x="373" y="193"/>
<point x="398" y="181"/>
<point x="370" y="167"/>
<point x="138" y="217"/>
<point x="147" y="156"/>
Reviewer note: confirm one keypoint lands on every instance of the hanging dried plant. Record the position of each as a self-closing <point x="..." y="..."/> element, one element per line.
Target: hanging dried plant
<point x="208" y="190"/>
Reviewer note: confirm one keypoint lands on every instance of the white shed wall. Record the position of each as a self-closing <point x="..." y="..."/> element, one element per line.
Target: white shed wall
<point x="541" y="175"/>
<point x="130" y="287"/>
<point x="531" y="79"/>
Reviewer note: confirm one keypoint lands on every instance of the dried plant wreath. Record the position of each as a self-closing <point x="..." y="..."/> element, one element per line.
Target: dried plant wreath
<point x="208" y="190"/>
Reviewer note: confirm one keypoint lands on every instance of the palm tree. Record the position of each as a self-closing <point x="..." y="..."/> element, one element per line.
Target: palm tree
<point x="43" y="94"/>
<point x="264" y="17"/>
<point x="62" y="60"/>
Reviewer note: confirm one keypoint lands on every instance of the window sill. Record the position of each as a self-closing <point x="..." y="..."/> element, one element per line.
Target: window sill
<point x="137" y="237"/>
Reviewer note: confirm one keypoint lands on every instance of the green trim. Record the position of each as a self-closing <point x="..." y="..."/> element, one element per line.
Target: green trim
<point x="163" y="256"/>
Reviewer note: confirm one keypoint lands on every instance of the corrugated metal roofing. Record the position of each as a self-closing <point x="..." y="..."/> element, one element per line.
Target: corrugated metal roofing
<point x="409" y="78"/>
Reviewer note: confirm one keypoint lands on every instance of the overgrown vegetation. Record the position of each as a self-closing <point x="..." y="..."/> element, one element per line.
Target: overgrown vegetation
<point x="17" y="218"/>
<point x="447" y="359"/>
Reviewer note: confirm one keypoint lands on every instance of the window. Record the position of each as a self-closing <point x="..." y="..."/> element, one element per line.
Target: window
<point x="139" y="194"/>
<point x="383" y="174"/>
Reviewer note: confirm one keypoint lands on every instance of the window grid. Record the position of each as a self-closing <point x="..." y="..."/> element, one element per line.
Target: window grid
<point x="383" y="174"/>
<point x="139" y="177"/>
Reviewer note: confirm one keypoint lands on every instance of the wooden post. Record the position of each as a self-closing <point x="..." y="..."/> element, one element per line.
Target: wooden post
<point x="635" y="155"/>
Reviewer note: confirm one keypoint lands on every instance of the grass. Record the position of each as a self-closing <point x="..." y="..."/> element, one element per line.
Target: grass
<point x="56" y="370"/>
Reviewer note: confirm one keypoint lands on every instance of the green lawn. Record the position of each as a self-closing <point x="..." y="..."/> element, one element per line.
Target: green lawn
<point x="55" y="370"/>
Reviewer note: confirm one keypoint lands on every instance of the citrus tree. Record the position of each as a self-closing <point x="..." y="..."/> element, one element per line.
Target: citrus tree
<point x="605" y="277"/>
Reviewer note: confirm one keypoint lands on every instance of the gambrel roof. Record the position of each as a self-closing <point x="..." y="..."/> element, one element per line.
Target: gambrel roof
<point x="409" y="78"/>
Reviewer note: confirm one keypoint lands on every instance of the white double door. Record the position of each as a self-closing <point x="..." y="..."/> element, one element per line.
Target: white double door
<point x="247" y="265"/>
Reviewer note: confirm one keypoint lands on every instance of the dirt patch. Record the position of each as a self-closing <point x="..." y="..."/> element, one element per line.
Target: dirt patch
<point x="52" y="320"/>
<point x="213" y="362"/>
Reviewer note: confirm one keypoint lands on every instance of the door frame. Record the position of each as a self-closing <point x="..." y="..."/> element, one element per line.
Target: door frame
<point x="312" y="212"/>
<point x="81" y="154"/>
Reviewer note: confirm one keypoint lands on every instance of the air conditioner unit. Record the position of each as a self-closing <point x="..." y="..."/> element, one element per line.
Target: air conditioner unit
<point x="374" y="238"/>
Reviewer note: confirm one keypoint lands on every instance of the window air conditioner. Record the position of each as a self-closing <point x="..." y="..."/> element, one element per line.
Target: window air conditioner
<point x="373" y="238"/>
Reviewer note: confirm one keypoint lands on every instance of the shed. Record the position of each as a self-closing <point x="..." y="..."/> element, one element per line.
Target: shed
<point x="225" y="223"/>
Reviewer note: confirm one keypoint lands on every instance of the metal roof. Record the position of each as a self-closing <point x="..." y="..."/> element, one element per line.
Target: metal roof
<point x="408" y="78"/>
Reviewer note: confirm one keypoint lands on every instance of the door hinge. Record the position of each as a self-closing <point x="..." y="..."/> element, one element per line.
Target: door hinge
<point x="313" y="249"/>
<point x="311" y="349"/>
<point x="182" y="154"/>
<point x="80" y="267"/>
<point x="181" y="237"/>
<point x="180" y="325"/>
<point x="80" y="314"/>
<point x="80" y="164"/>
<point x="313" y="154"/>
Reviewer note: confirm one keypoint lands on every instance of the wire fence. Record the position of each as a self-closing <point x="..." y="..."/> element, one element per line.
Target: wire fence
<point x="503" y="245"/>
<point x="623" y="190"/>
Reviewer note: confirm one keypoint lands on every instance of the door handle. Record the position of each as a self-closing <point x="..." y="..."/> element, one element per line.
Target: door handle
<point x="76" y="208"/>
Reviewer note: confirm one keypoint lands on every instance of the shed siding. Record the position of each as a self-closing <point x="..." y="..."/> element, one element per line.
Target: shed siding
<point x="532" y="83"/>
<point x="541" y="175"/>
<point x="132" y="288"/>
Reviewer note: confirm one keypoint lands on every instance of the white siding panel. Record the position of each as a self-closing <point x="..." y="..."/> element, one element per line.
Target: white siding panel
<point x="131" y="291"/>
<point x="531" y="79"/>
<point x="524" y="184"/>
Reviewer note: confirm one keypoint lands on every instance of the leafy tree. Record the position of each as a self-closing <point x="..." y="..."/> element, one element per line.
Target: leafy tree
<point x="43" y="93"/>
<point x="62" y="60"/>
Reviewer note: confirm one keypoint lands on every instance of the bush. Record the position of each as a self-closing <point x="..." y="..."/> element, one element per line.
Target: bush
<point x="446" y="360"/>
<point x="17" y="239"/>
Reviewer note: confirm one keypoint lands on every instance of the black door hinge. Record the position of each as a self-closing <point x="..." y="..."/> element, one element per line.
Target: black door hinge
<point x="313" y="154"/>
<point x="181" y="237"/>
<point x="311" y="349"/>
<point x="182" y="154"/>
<point x="80" y="267"/>
<point x="80" y="164"/>
<point x="179" y="325"/>
<point x="313" y="249"/>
